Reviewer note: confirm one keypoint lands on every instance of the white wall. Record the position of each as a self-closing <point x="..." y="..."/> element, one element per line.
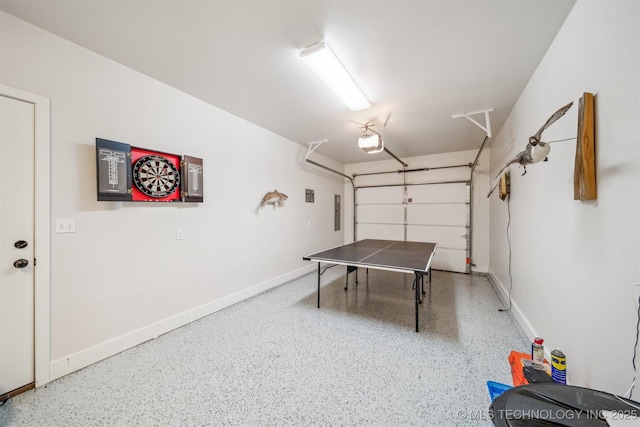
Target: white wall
<point x="122" y="278"/>
<point x="573" y="262"/>
<point x="480" y="205"/>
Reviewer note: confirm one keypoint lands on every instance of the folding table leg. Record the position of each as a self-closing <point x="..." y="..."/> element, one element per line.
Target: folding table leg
<point x="318" y="284"/>
<point x="350" y="269"/>
<point x="418" y="277"/>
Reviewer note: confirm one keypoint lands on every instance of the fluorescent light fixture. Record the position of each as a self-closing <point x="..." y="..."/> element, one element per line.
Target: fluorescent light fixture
<point x="371" y="142"/>
<point x="325" y="64"/>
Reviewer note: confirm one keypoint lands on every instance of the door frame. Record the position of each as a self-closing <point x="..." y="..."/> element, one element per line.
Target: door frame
<point x="42" y="230"/>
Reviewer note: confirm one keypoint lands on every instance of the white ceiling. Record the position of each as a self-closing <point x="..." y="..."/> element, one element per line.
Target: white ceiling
<point x="418" y="62"/>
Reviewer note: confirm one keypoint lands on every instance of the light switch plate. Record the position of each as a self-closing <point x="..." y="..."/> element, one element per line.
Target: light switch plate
<point x="65" y="225"/>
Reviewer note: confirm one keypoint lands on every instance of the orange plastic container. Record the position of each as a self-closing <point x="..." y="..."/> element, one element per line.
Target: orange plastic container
<point x="517" y="372"/>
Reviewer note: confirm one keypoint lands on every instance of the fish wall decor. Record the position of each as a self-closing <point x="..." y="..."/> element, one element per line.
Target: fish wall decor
<point x="273" y="198"/>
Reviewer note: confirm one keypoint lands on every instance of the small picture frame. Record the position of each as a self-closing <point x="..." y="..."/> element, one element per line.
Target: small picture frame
<point x="308" y="195"/>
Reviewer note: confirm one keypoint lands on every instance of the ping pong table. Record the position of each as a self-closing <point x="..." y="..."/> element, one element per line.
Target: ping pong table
<point x="390" y="255"/>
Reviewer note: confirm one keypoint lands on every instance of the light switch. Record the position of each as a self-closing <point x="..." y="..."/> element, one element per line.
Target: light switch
<point x="65" y="225"/>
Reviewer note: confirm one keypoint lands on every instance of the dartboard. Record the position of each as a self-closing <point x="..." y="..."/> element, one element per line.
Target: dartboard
<point x="156" y="176"/>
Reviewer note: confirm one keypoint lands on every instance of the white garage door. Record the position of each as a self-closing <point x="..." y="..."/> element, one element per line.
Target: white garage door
<point x="433" y="213"/>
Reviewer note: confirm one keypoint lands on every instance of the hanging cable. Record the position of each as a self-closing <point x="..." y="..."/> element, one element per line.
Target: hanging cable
<point x="509" y="244"/>
<point x="635" y="347"/>
<point x="561" y="140"/>
<point x="626" y="402"/>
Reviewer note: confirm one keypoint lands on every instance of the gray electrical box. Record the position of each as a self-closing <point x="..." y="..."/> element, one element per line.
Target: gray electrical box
<point x="336" y="213"/>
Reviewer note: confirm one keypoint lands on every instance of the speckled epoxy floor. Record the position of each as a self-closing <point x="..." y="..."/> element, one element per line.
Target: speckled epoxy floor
<point x="276" y="359"/>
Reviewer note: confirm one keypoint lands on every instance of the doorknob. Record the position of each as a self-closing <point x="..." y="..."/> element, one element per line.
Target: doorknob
<point x="20" y="244"/>
<point x="20" y="263"/>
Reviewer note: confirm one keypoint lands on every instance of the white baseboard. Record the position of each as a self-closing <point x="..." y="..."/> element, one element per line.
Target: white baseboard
<point x="86" y="357"/>
<point x="482" y="269"/>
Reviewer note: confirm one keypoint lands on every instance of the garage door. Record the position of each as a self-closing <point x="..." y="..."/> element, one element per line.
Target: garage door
<point x="437" y="212"/>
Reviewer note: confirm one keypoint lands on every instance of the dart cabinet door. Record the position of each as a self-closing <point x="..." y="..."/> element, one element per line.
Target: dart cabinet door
<point x="192" y="179"/>
<point x="113" y="168"/>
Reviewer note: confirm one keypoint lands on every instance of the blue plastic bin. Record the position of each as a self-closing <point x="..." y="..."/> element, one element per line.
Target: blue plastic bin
<point x="496" y="389"/>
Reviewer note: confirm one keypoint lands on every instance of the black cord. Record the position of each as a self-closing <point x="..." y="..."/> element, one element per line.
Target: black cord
<point x="635" y="351"/>
<point x="509" y="242"/>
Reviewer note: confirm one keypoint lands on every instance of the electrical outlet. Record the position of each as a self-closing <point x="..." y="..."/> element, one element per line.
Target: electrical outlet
<point x="179" y="234"/>
<point x="65" y="225"/>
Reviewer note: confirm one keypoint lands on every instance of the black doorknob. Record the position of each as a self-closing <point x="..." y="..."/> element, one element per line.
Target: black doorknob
<point x="20" y="244"/>
<point x="20" y="263"/>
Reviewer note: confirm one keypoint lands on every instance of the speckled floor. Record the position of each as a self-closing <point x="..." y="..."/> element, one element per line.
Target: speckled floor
<point x="277" y="360"/>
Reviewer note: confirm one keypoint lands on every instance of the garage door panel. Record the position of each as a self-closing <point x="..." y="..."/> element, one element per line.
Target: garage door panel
<point x="443" y="193"/>
<point x="449" y="259"/>
<point x="436" y="213"/>
<point x="441" y="214"/>
<point x="446" y="237"/>
<point x="380" y="231"/>
<point x="380" y="195"/>
<point x="389" y="214"/>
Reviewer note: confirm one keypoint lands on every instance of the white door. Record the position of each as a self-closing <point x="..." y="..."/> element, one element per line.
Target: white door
<point x="17" y="139"/>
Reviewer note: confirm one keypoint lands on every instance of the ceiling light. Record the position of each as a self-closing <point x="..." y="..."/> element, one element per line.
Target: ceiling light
<point x="325" y="64"/>
<point x="371" y="141"/>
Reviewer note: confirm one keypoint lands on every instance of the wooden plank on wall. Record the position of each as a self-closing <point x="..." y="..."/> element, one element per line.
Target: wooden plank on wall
<point x="584" y="182"/>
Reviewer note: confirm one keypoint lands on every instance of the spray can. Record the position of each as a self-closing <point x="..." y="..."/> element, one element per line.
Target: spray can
<point x="558" y="366"/>
<point x="537" y="350"/>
